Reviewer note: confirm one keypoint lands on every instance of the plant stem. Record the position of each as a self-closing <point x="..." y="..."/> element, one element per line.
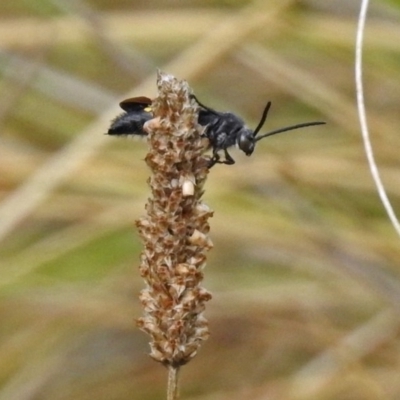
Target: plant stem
<point x="172" y="391"/>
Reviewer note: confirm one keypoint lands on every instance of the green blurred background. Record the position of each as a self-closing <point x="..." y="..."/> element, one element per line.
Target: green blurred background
<point x="304" y="271"/>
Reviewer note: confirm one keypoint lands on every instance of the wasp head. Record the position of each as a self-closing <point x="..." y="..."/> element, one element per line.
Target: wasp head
<point x="246" y="141"/>
<point x="247" y="138"/>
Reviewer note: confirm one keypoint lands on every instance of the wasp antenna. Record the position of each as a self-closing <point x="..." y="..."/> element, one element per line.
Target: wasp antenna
<point x="203" y="106"/>
<point x="289" y="128"/>
<point x="263" y="118"/>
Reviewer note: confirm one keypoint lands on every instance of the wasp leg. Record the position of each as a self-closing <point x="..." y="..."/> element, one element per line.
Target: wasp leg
<point x="228" y="159"/>
<point x="216" y="159"/>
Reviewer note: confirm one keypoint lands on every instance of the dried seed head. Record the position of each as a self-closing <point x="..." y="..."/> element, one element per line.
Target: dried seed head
<point x="175" y="229"/>
<point x="152" y="124"/>
<point x="198" y="238"/>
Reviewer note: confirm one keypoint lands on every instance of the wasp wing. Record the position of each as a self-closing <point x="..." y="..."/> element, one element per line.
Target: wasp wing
<point x="136" y="104"/>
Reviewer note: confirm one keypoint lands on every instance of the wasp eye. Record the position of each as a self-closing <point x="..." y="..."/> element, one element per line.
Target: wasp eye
<point x="246" y="142"/>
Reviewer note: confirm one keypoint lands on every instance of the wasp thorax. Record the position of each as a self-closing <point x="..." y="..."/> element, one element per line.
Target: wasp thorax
<point x="246" y="141"/>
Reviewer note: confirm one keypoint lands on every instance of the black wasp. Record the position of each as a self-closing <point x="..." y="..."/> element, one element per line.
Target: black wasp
<point x="223" y="129"/>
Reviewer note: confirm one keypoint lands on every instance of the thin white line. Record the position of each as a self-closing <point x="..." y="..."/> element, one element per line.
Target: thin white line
<point x="363" y="119"/>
